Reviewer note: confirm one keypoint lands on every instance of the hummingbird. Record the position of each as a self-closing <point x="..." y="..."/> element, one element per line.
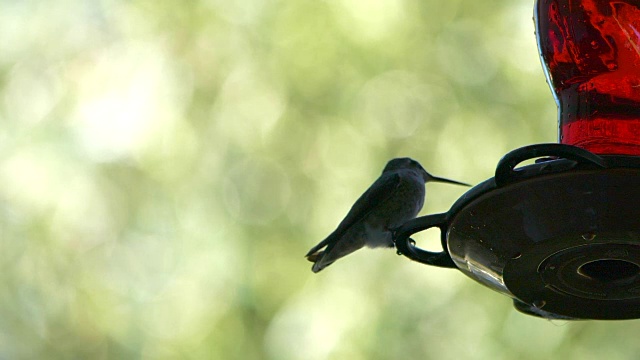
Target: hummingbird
<point x="396" y="197"/>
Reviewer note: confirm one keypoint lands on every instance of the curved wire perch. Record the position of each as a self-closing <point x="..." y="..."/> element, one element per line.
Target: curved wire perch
<point x="406" y="246"/>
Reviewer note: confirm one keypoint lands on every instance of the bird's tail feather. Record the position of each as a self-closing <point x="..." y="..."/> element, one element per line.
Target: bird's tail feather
<point x="314" y="250"/>
<point x="315" y="256"/>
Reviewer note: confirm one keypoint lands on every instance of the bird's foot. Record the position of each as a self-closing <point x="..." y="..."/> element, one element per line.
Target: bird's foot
<point x="411" y="241"/>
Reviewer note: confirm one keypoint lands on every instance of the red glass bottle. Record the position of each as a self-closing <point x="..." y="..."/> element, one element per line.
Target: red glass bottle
<point x="591" y="53"/>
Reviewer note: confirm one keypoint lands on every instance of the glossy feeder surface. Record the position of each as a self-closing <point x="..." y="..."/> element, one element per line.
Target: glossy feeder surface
<point x="574" y="246"/>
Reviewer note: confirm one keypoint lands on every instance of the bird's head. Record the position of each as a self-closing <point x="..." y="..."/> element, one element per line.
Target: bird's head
<point x="408" y="163"/>
<point x="403" y="163"/>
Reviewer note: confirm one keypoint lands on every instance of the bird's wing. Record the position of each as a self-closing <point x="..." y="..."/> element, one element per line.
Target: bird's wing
<point x="382" y="189"/>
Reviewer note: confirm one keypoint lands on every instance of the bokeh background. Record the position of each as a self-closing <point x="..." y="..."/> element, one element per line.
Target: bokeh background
<point x="165" y="165"/>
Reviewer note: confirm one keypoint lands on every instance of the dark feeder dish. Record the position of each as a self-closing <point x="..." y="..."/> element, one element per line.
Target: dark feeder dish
<point x="562" y="236"/>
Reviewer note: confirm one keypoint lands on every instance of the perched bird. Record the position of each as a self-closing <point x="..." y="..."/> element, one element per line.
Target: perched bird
<point x="394" y="198"/>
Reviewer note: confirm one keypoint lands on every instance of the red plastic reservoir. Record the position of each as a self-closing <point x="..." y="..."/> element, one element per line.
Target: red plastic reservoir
<point x="591" y="53"/>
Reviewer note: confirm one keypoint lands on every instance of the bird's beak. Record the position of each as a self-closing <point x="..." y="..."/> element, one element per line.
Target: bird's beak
<point x="443" y="180"/>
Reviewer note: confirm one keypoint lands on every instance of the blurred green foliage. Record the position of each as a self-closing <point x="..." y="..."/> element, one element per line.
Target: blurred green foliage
<point x="165" y="165"/>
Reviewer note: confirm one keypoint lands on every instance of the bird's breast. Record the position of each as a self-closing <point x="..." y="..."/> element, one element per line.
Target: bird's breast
<point x="406" y="203"/>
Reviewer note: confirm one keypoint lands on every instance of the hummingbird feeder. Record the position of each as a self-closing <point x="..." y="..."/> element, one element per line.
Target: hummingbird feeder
<point x="561" y="237"/>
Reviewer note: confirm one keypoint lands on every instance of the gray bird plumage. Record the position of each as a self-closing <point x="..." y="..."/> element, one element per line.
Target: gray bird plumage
<point x="394" y="198"/>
